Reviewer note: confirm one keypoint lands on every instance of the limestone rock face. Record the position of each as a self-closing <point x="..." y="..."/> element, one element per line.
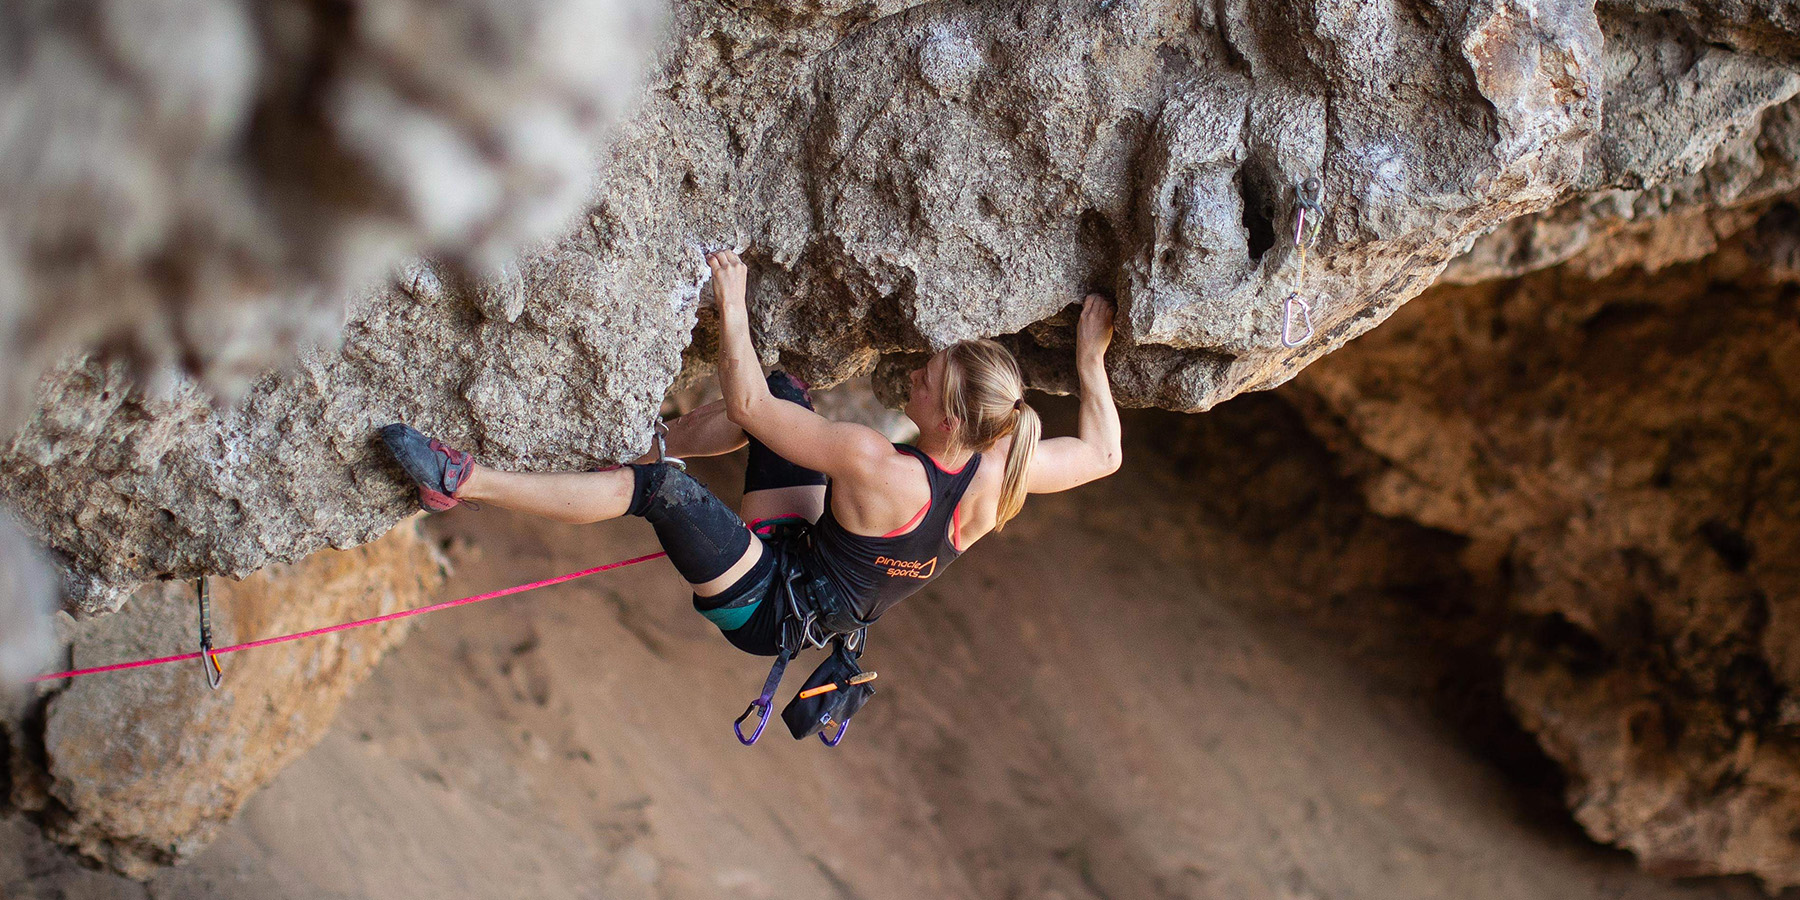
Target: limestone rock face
<point x="1651" y="194"/>
<point x="903" y="177"/>
<point x="139" y="769"/>
<point x="1625" y="458"/>
<point x="193" y="188"/>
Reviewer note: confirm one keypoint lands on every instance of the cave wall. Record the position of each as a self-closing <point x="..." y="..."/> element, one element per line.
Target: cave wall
<point x="904" y="176"/>
<point x="1624" y="458"/>
<point x="139" y="770"/>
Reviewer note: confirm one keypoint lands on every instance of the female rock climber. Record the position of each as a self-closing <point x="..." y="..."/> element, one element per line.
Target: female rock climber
<point x="881" y="520"/>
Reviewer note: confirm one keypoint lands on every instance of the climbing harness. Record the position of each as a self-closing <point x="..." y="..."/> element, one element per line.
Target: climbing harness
<point x="251" y="645"/>
<point x="805" y="626"/>
<point x="1309" y="197"/>
<point x="209" y="660"/>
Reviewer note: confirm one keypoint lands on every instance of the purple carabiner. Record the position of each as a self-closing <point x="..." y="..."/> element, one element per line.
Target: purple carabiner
<point x="833" y="741"/>
<point x="738" y="726"/>
<point x="764" y="701"/>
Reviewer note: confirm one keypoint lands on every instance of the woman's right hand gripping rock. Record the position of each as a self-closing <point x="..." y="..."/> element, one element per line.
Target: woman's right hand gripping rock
<point x="1093" y="334"/>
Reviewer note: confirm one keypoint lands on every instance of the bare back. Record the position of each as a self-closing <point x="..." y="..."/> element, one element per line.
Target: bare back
<point x="892" y="494"/>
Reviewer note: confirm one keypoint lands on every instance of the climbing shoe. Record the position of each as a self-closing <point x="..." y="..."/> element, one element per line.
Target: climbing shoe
<point x="437" y="469"/>
<point x="789" y="388"/>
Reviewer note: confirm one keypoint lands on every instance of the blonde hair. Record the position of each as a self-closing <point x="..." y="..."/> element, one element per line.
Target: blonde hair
<point x="985" y="393"/>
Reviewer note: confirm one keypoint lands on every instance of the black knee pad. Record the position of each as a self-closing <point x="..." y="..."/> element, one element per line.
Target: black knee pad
<point x="766" y="469"/>
<point x="703" y="537"/>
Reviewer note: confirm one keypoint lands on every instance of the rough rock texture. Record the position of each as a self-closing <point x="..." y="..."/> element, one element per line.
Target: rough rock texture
<point x="194" y="187"/>
<point x="140" y="769"/>
<point x="1728" y="78"/>
<point x="1625" y="458"/>
<point x="904" y="177"/>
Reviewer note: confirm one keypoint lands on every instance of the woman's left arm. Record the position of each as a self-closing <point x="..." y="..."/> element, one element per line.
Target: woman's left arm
<point x="797" y="434"/>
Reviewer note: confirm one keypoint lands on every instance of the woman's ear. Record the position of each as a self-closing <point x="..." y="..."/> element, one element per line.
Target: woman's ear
<point x="949" y="425"/>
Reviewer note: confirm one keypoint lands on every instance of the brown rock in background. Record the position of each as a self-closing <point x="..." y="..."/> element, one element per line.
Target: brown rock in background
<point x="139" y="769"/>
<point x="1625" y="458"/>
<point x="905" y="175"/>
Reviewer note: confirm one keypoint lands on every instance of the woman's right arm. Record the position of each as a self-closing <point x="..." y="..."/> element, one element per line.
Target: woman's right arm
<point x="1095" y="452"/>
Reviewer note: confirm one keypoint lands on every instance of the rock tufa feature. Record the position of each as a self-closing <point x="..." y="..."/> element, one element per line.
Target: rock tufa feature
<point x="193" y="188"/>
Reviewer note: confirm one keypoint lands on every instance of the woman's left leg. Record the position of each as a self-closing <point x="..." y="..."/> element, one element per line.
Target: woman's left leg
<point x="773" y="486"/>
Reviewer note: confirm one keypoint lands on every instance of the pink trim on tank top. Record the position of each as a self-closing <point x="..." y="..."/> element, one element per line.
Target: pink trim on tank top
<point x="940" y="466"/>
<point x="955" y="514"/>
<point x="910" y="523"/>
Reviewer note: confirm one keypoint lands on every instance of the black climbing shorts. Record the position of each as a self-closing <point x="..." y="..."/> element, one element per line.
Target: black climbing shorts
<point x="750" y="612"/>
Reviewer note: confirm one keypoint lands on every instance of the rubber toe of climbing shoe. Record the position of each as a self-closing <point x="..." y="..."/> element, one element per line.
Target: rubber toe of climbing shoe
<point x="789" y="388"/>
<point x="436" y="469"/>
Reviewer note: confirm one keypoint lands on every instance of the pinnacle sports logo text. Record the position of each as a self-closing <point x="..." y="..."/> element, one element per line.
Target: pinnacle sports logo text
<point x="906" y="568"/>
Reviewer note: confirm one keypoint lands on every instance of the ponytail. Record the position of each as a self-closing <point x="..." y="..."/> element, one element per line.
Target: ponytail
<point x="985" y="392"/>
<point x="1025" y="434"/>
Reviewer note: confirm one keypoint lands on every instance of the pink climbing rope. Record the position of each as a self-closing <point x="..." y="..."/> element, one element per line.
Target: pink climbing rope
<point x="346" y="626"/>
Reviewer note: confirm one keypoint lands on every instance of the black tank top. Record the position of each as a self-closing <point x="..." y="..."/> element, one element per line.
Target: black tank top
<point x="877" y="572"/>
